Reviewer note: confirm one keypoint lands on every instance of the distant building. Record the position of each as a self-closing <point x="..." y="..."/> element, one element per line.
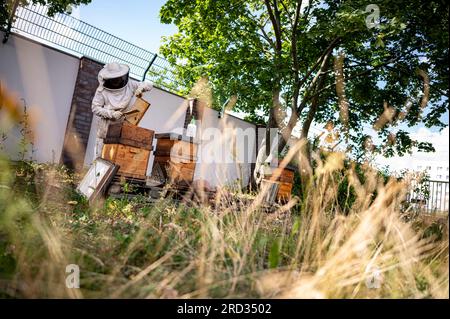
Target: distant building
<point x="437" y="171"/>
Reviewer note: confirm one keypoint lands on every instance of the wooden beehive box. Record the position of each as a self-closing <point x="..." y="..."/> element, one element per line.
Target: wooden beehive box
<point x="128" y="134"/>
<point x="286" y="180"/>
<point x="129" y="147"/>
<point x="137" y="112"/>
<point x="132" y="161"/>
<point x="175" y="158"/>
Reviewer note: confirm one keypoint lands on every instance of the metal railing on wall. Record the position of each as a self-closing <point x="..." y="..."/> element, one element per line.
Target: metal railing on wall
<point x="80" y="37"/>
<point x="430" y="197"/>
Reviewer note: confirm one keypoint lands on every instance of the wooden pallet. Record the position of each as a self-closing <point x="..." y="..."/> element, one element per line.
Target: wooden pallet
<point x="120" y="185"/>
<point x="125" y="187"/>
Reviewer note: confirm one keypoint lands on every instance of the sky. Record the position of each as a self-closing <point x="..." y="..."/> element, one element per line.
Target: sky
<point x="137" y="21"/>
<point x="440" y="141"/>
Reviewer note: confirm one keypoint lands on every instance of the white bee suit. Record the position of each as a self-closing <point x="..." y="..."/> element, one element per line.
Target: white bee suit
<point x="263" y="165"/>
<point x="107" y="102"/>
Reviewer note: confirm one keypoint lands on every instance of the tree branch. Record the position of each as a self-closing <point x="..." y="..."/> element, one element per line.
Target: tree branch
<point x="319" y="60"/>
<point x="275" y="25"/>
<point x="365" y="72"/>
<point x="295" y="59"/>
<point x="295" y="114"/>
<point x="321" y="71"/>
<point x="266" y="36"/>
<point x="276" y="11"/>
<point x="297" y="14"/>
<point x="287" y="12"/>
<point x="312" y="110"/>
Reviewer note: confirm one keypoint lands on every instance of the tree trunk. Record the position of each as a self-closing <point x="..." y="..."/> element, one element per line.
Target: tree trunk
<point x="274" y="119"/>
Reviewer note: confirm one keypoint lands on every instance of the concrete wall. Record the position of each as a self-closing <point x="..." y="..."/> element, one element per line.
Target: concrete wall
<point x="232" y="152"/>
<point x="45" y="79"/>
<point x="167" y="113"/>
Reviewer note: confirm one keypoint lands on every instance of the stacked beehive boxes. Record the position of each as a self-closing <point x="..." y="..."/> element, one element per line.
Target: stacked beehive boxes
<point x="128" y="146"/>
<point x="286" y="181"/>
<point x="175" y="158"/>
<point x="284" y="177"/>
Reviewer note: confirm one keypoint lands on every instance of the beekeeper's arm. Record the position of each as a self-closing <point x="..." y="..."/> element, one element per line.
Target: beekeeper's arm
<point x="98" y="103"/>
<point x="141" y="87"/>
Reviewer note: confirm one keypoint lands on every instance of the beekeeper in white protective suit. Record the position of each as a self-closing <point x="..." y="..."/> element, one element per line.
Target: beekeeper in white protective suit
<point x="115" y="95"/>
<point x="263" y="164"/>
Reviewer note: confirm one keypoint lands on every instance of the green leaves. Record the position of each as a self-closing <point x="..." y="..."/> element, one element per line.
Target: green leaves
<point x="232" y="43"/>
<point x="275" y="253"/>
<point x="379" y="41"/>
<point x="58" y="6"/>
<point x="296" y="226"/>
<point x="54" y="6"/>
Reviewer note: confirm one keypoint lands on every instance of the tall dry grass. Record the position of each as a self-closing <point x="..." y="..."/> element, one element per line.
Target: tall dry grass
<point x="130" y="248"/>
<point x="311" y="247"/>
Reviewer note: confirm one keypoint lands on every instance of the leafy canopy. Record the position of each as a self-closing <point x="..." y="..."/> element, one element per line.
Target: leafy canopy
<point x="54" y="6"/>
<point x="280" y="57"/>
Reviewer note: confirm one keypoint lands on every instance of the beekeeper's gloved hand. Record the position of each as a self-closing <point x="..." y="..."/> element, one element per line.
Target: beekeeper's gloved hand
<point x="143" y="87"/>
<point x="117" y="115"/>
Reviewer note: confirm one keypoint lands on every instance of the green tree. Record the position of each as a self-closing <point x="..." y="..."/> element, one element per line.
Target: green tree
<point x="328" y="62"/>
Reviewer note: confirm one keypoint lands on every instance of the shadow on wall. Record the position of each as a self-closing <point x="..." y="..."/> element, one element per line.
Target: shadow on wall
<point x="44" y="78"/>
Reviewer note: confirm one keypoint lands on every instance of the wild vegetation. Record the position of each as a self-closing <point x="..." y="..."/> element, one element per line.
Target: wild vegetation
<point x="346" y="233"/>
<point x="296" y="64"/>
<point x="311" y="247"/>
<point x="348" y="236"/>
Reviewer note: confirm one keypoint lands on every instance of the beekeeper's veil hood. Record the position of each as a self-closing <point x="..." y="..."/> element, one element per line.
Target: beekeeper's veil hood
<point x="113" y="76"/>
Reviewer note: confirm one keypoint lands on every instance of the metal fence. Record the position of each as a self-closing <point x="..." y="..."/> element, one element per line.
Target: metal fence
<point x="75" y="35"/>
<point x="430" y="197"/>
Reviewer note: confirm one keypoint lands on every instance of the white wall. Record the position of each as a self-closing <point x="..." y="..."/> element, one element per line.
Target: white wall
<point x="45" y="79"/>
<point x="166" y="114"/>
<point x="231" y="164"/>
